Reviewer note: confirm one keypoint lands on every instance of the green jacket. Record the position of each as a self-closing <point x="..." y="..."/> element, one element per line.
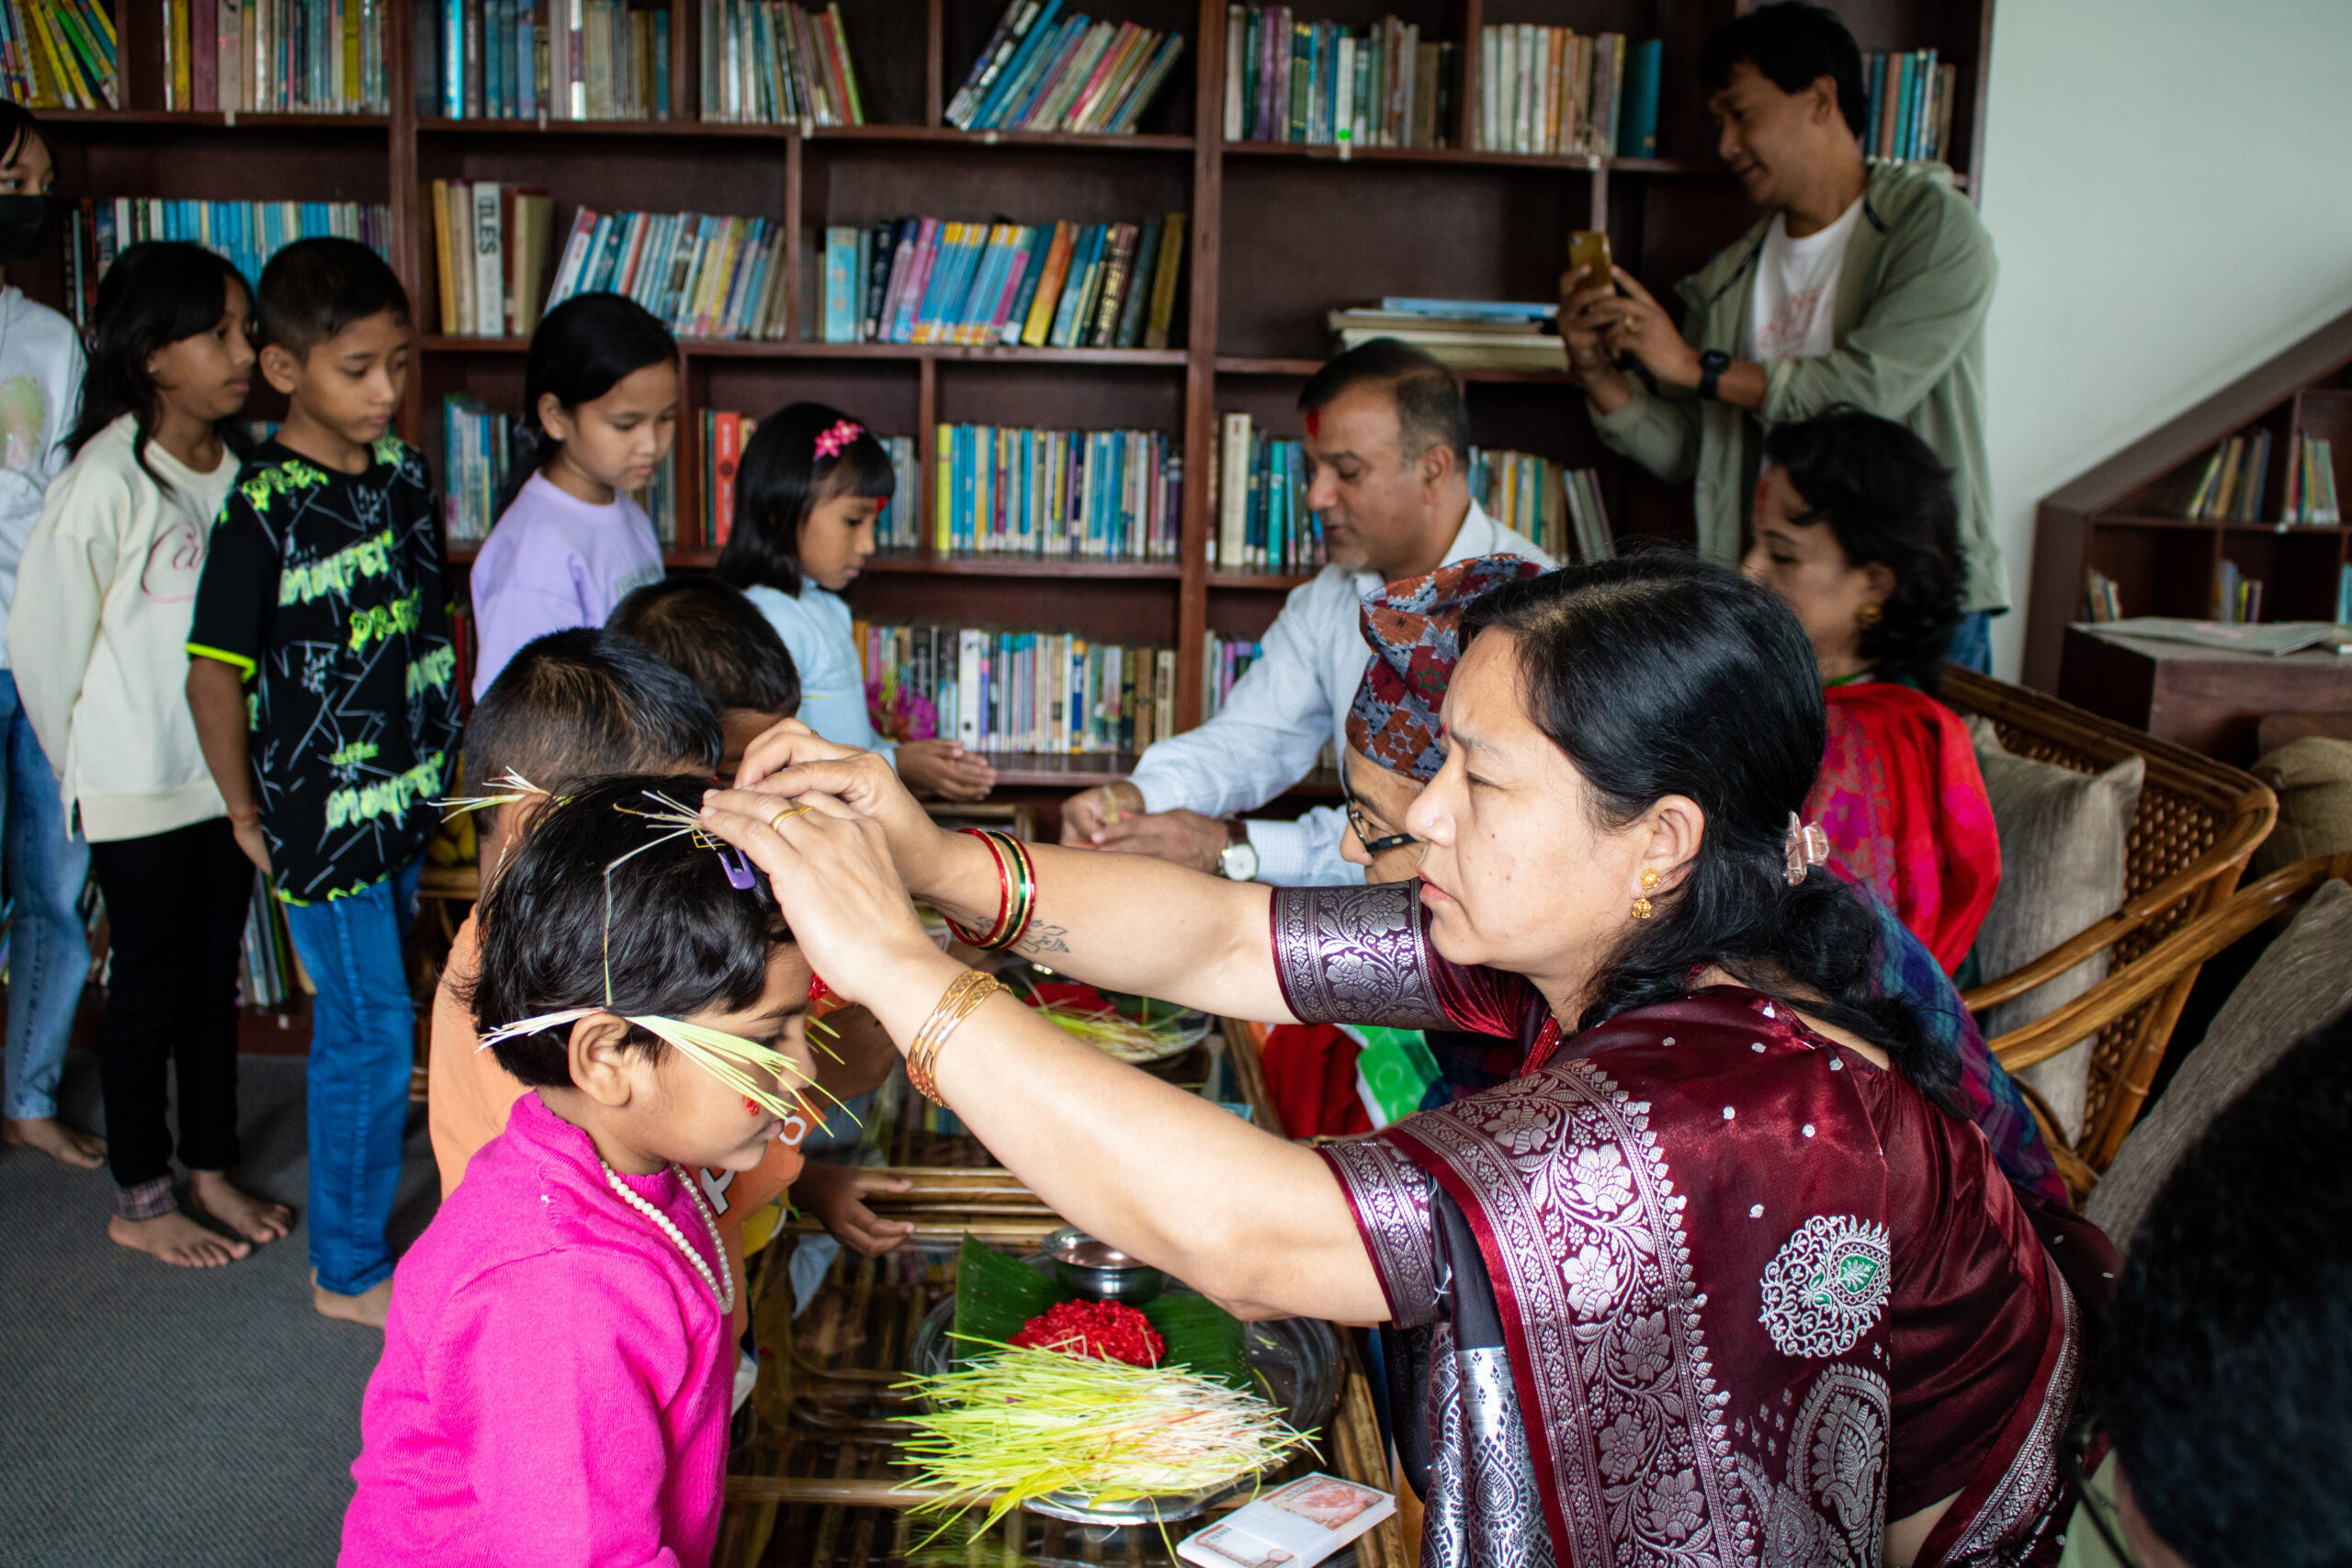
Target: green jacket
<point x="1912" y="293"/>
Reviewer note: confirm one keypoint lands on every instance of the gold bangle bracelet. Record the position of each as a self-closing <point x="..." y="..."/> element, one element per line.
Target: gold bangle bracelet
<point x="962" y="998"/>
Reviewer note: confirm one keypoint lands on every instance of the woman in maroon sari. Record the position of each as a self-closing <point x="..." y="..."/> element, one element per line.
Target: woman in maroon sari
<point x="1718" y="1280"/>
<point x="1855" y="529"/>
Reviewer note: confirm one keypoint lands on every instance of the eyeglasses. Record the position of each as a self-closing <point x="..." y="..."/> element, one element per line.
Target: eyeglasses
<point x="2100" y="1511"/>
<point x="1362" y="825"/>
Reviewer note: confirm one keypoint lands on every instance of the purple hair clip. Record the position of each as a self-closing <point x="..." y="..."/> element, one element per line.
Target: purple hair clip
<point x="739" y="876"/>
<point x="834" y="442"/>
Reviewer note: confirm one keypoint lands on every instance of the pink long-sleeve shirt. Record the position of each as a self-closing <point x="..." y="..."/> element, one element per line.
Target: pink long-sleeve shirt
<point x="555" y="1377"/>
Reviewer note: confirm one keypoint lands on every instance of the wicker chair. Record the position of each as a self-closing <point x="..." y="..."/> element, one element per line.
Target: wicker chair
<point x="2196" y="823"/>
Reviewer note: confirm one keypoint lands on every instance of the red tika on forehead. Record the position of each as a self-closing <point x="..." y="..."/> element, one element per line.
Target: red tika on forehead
<point x="1315" y="422"/>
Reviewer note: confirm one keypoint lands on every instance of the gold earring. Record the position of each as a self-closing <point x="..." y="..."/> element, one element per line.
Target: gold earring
<point x="1869" y="616"/>
<point x="1643" y="909"/>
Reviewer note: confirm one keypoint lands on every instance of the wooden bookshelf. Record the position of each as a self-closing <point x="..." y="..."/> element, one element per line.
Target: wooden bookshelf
<point x="1278" y="235"/>
<point x="2125" y="517"/>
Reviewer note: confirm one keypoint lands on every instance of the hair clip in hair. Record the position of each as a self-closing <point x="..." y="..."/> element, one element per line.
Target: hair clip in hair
<point x="739" y="876"/>
<point x="1806" y="847"/>
<point x="834" y="442"/>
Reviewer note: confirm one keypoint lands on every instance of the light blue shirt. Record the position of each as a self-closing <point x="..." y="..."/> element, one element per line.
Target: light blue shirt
<point x="815" y="628"/>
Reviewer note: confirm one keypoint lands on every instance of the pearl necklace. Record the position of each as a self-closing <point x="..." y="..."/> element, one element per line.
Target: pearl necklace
<point x="629" y="1195"/>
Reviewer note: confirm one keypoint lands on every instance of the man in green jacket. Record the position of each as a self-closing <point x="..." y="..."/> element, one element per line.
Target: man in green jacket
<point x="1862" y="286"/>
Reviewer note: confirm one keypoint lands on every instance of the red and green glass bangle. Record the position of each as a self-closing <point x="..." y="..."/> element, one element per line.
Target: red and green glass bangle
<point x="1017" y="893"/>
<point x="1025" y="889"/>
<point x="991" y="939"/>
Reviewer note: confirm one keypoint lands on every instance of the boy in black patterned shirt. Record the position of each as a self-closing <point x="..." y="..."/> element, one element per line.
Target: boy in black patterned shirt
<point x="322" y="681"/>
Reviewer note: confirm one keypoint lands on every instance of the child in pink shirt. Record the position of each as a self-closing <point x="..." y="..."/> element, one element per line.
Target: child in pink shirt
<point x="557" y="1369"/>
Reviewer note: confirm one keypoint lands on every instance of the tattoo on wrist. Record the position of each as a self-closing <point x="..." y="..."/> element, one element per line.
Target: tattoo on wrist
<point x="1043" y="939"/>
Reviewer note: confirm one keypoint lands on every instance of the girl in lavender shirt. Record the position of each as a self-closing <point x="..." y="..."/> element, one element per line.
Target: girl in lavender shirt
<point x="600" y="397"/>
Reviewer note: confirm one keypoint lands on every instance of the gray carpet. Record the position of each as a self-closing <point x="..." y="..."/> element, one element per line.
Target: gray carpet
<point x="158" y="1417"/>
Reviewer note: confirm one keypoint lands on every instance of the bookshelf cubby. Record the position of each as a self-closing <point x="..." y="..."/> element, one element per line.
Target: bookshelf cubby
<point x="1277" y="235"/>
<point x="2127" y="517"/>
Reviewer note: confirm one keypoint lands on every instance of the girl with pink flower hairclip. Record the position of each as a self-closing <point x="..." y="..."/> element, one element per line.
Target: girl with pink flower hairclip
<point x="811" y="482"/>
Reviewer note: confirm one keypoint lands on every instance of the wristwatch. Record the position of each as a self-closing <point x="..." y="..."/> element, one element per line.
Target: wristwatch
<point x="1238" y="862"/>
<point x="1711" y="365"/>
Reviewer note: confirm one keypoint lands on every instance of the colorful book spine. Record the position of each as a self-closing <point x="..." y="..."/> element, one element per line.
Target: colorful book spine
<point x="1036" y="692"/>
<point x="705" y="276"/>
<point x="1911" y="98"/>
<point x="246" y="232"/>
<point x="1326" y="84"/>
<point x="1554" y="505"/>
<point x="769" y="62"/>
<point x="1115" y="494"/>
<point x="1547" y="91"/>
<point x="1044" y="72"/>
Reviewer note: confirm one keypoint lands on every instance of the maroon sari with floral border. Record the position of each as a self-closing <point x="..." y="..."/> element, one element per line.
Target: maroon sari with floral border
<point x="1701" y="1286"/>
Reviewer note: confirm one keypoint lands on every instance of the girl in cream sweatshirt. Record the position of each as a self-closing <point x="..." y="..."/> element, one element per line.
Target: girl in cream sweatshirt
<point x="98" y="638"/>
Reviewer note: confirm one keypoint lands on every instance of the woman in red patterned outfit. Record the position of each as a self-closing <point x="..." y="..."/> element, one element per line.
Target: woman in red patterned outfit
<point x="1721" y="1279"/>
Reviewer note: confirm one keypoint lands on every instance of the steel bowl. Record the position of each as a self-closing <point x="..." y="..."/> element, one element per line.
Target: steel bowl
<point x="1100" y="1271"/>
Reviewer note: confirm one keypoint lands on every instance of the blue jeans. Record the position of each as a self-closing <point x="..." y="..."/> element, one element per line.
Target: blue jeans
<point x="363" y="1042"/>
<point x="1971" y="642"/>
<point x="49" y="956"/>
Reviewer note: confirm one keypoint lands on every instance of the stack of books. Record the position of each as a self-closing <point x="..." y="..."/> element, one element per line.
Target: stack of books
<point x="723" y="437"/>
<point x="2311" y="483"/>
<point x="288" y="56"/>
<point x="1225" y="663"/>
<point x="1910" y="105"/>
<point x="2102" y="602"/>
<point x="1042" y="71"/>
<point x="771" y="63"/>
<point x="1262" y="520"/>
<point x="518" y="59"/>
<point x="1048" y="693"/>
<point x="1100" y="494"/>
<point x="1322" y="82"/>
<point x="57" y="55"/>
<point x="706" y="276"/>
<point x="477" y="446"/>
<point x="1491" y="334"/>
<point x="247" y="232"/>
<point x="1549" y="90"/>
<point x="2229" y="487"/>
<point x="1062" y="285"/>
<point x="493" y="244"/>
<point x="2237" y="598"/>
<point x="1555" y="506"/>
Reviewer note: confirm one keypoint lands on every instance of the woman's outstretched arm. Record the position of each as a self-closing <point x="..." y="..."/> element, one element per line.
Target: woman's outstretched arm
<point x="1125" y="921"/>
<point x="1255" y="1222"/>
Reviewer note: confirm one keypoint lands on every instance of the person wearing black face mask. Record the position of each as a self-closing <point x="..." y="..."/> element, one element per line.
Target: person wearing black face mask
<point x="40" y="387"/>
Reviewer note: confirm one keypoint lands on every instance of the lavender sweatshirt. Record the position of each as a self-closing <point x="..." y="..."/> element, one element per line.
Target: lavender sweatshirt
<point x="554" y="561"/>
<point x="556" y="1378"/>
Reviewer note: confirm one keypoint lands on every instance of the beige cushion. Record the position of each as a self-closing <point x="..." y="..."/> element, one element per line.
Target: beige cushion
<point x="2313" y="780"/>
<point x="2062" y="870"/>
<point x="2303" y="980"/>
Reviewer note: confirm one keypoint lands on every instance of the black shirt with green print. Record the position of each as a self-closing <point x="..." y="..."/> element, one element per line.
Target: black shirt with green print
<point x="327" y="592"/>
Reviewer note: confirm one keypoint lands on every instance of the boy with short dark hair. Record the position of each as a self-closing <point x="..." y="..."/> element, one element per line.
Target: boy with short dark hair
<point x="322" y="678"/>
<point x="709" y="632"/>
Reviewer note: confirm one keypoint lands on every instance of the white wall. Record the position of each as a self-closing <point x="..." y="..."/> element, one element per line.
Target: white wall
<point x="2169" y="187"/>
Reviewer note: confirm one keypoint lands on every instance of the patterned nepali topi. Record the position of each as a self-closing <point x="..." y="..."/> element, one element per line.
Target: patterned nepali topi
<point x="1415" y="630"/>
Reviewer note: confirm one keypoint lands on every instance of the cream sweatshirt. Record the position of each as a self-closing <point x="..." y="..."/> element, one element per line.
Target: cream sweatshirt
<point x="98" y="635"/>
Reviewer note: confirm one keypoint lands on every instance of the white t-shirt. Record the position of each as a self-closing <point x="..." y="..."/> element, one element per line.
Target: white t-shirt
<point x="1794" y="313"/>
<point x="41" y="395"/>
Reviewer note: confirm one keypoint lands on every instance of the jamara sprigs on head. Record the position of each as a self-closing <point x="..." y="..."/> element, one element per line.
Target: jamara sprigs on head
<point x="558" y="1365"/>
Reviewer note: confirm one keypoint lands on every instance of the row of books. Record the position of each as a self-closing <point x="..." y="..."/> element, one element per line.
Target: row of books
<point x="1094" y="493"/>
<point x="1492" y="334"/>
<point x="772" y="63"/>
<point x="1551" y="90"/>
<point x="1554" y="505"/>
<point x="724" y="435"/>
<point x="1264" y="523"/>
<point x="1225" y="662"/>
<point x="1042" y="71"/>
<point x="2310" y="483"/>
<point x="2237" y="598"/>
<point x="492" y="243"/>
<point x="287" y="56"/>
<point x="1323" y="83"/>
<point x="477" y="455"/>
<point x="247" y="232"/>
<point x="705" y="276"/>
<point x="560" y="59"/>
<point x="2230" y="488"/>
<point x="58" y="54"/>
<point x="1065" y="284"/>
<point x="1910" y="105"/>
<point x="1017" y="691"/>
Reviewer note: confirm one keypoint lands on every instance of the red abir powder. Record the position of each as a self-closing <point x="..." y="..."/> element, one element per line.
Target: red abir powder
<point x="1108" y="1331"/>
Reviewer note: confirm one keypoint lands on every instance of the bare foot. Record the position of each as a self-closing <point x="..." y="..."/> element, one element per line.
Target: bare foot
<point x="255" y="1219"/>
<point x="175" y="1239"/>
<point x="55" y="1139"/>
<point x="369" y="1308"/>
